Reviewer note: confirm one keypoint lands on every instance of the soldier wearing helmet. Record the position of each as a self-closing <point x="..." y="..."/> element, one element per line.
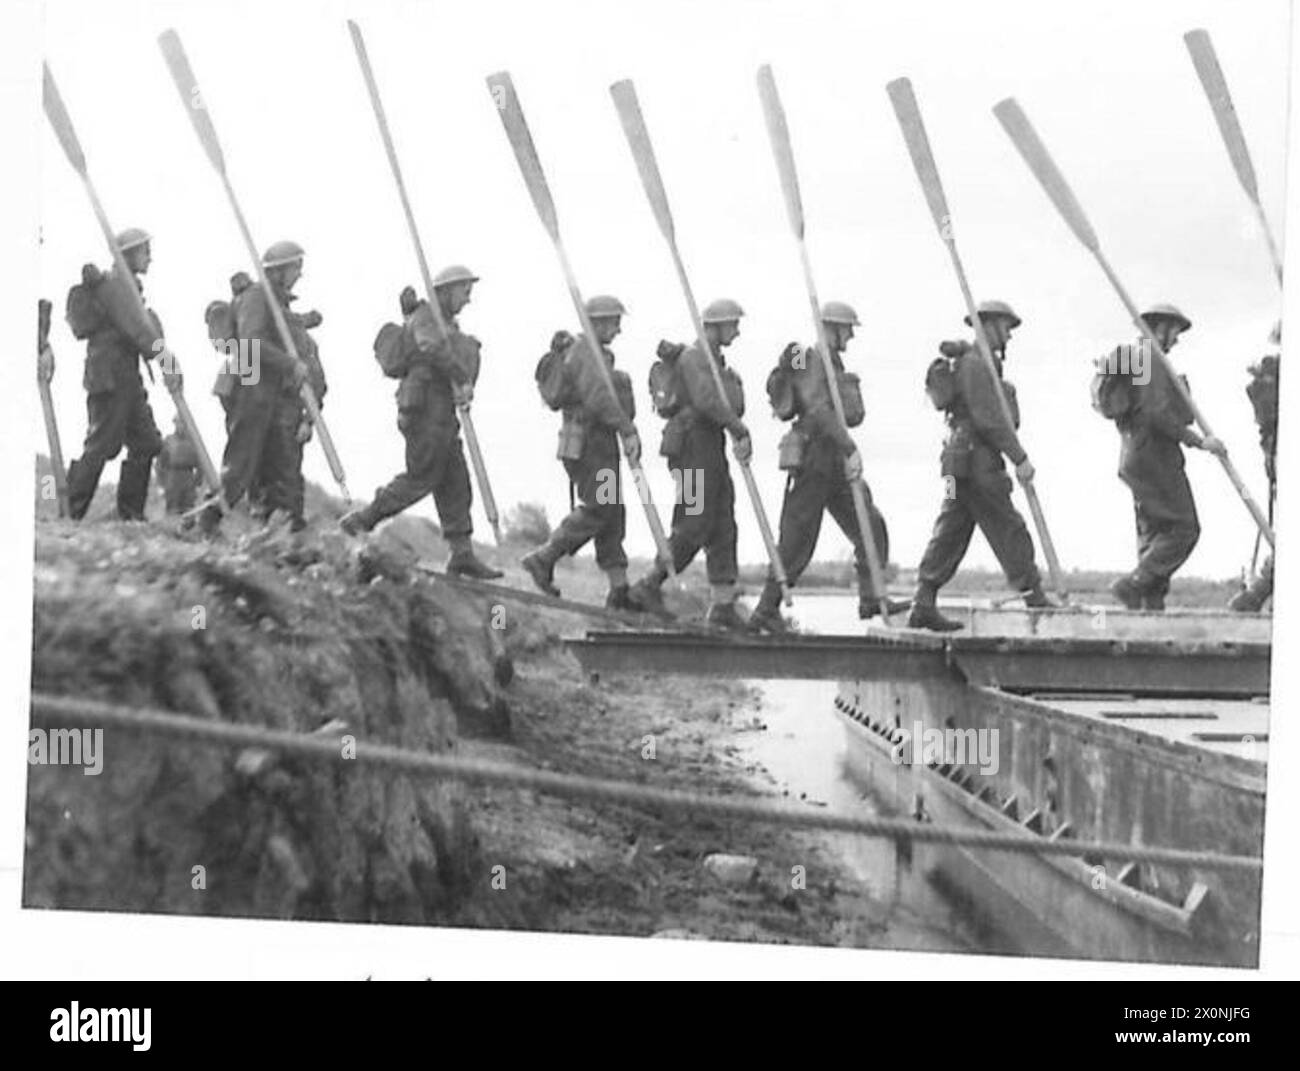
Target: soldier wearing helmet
<point x="117" y="403"/>
<point x="1263" y="394"/>
<point x="822" y="462"/>
<point x="439" y="381"/>
<point x="977" y="489"/>
<point x="260" y="447"/>
<point x="704" y="515"/>
<point x="593" y="420"/>
<point x="294" y="430"/>
<point x="1153" y="432"/>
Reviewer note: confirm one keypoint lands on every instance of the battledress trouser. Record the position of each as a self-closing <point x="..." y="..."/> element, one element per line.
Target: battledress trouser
<point x="116" y="418"/>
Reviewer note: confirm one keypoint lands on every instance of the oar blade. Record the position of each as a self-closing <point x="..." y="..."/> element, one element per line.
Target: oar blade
<point x="1026" y="140"/>
<point x="908" y="111"/>
<point x="187" y="85"/>
<point x="778" y="132"/>
<point x="638" y="139"/>
<point x="502" y="88"/>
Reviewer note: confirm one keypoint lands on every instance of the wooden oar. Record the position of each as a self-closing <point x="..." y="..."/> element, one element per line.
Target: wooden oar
<point x="927" y="171"/>
<point x="61" y="121"/>
<point x="638" y="139"/>
<point x="196" y="108"/>
<point x="1035" y="154"/>
<point x="779" y="134"/>
<point x="43" y="309"/>
<point x="502" y="88"/>
<point x="1208" y="70"/>
<point x="467" y="421"/>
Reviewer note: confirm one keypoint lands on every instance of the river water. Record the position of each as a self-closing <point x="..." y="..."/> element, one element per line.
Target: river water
<point x="803" y="749"/>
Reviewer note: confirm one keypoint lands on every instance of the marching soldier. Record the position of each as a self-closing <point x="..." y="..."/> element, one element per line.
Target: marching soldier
<point x="822" y="462"/>
<point x="977" y="488"/>
<point x="698" y="418"/>
<point x="295" y="429"/>
<point x="593" y="420"/>
<point x="1153" y="431"/>
<point x="257" y="444"/>
<point x="178" y="470"/>
<point x="117" y="403"/>
<point x="440" y="378"/>
<point x="1263" y="394"/>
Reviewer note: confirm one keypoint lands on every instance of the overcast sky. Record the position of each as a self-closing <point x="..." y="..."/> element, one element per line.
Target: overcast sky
<point x="1109" y="86"/>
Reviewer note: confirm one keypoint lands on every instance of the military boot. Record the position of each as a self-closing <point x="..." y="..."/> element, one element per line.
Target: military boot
<point x="1035" y="598"/>
<point x="1128" y="591"/>
<point x="618" y="599"/>
<point x="210" y="519"/>
<point x="766" y="616"/>
<point x="647" y="595"/>
<point x="540" y="565"/>
<point x="869" y="606"/>
<point x="1250" y="600"/>
<point x="724" y="615"/>
<point x="133" y="488"/>
<point x="1153" y="600"/>
<point x="464" y="562"/>
<point x="925" y="614"/>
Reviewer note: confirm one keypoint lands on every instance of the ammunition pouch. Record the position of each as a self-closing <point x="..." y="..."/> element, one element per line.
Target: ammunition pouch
<point x="573" y="437"/>
<point x="792" y="450"/>
<point x="955" y="458"/>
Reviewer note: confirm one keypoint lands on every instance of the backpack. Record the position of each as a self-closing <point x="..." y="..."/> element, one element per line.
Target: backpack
<point x="1111" y="396"/>
<point x="941" y="375"/>
<point x="666" y="391"/>
<point x="1111" y="390"/>
<point x="83" y="310"/>
<point x="780" y="384"/>
<point x="393" y="350"/>
<point x="550" y="375"/>
<point x="220" y="314"/>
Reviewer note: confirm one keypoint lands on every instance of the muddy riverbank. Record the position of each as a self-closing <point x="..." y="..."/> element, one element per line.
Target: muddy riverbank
<point x="304" y="632"/>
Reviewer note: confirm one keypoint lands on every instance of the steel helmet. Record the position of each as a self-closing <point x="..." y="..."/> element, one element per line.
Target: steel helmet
<point x="994" y="308"/>
<point x="456" y="273"/>
<point x="132" y="237"/>
<point x="1166" y="312"/>
<point x="1275" y="336"/>
<point x="839" y="312"/>
<point x="602" y="306"/>
<point x="722" y="311"/>
<point x="281" y="253"/>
